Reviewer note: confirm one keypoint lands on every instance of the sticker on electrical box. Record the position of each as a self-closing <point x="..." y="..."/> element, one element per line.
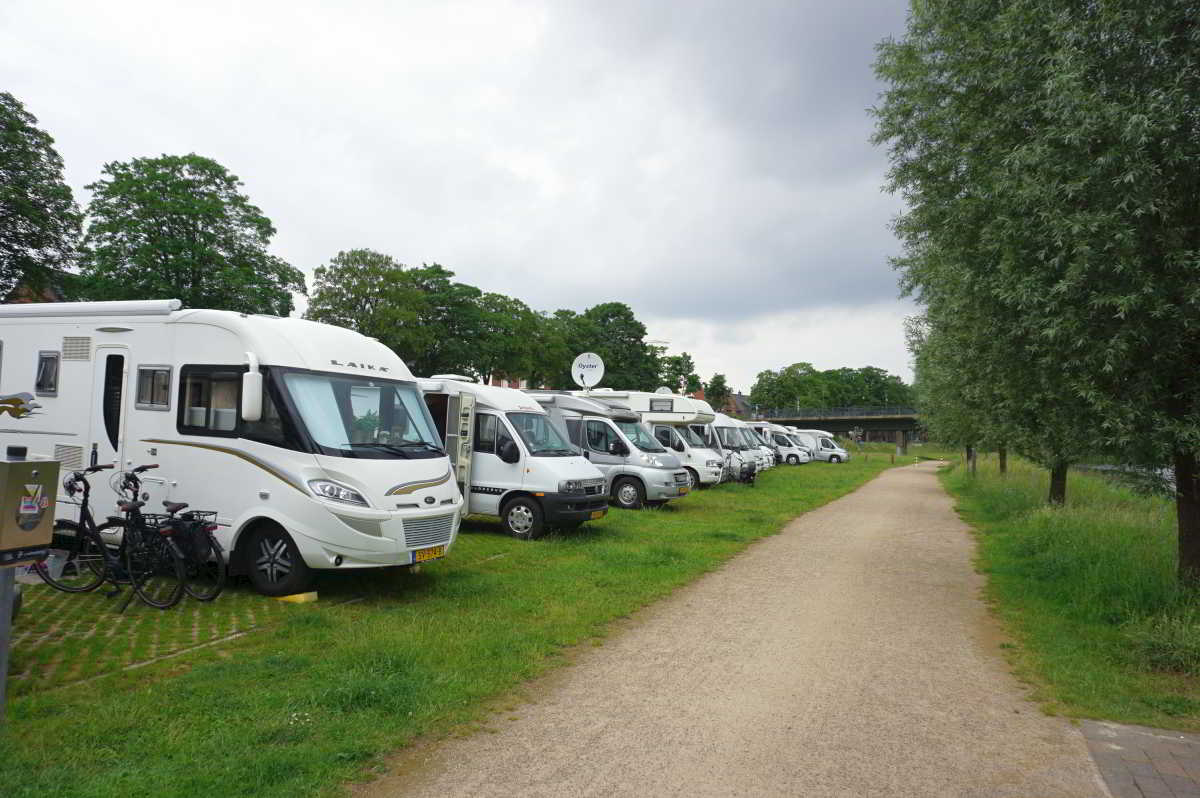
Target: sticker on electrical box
<point x="33" y="506"/>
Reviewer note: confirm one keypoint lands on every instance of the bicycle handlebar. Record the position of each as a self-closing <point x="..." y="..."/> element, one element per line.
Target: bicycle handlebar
<point x="140" y="469"/>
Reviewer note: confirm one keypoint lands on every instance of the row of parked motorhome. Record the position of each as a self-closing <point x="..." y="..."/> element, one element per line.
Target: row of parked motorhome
<point x="320" y="449"/>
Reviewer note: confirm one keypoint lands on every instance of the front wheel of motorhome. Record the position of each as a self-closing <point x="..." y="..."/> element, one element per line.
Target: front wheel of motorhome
<point x="693" y="479"/>
<point x="274" y="563"/>
<point x="629" y="494"/>
<point x="523" y="518"/>
<point x="833" y="458"/>
<point x="793" y="460"/>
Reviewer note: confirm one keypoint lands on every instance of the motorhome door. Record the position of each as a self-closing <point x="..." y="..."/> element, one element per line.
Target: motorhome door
<point x="109" y="398"/>
<point x="460" y="422"/>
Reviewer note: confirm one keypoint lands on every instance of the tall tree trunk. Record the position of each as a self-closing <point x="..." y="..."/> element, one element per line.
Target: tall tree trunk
<point x="1058" y="483"/>
<point x="1187" y="511"/>
<point x="971" y="459"/>
<point x="1002" y="453"/>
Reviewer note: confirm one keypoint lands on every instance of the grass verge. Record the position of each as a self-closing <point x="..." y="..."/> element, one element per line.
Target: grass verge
<point x="1089" y="591"/>
<point x="315" y="700"/>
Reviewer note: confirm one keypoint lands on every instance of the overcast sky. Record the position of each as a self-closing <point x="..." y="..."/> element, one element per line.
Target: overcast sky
<point x="706" y="162"/>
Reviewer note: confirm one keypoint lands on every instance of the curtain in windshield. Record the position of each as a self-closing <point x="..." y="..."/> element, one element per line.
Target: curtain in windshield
<point x="342" y="411"/>
<point x="640" y="437"/>
<point x="730" y="439"/>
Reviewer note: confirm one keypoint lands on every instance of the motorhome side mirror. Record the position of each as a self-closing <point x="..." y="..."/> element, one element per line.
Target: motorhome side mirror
<point x="507" y="451"/>
<point x="252" y="393"/>
<point x="617" y="448"/>
<point x="677" y="446"/>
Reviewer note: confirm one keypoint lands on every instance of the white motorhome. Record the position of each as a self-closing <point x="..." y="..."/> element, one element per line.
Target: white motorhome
<point x="671" y="418"/>
<point x="731" y="435"/>
<point x="510" y="460"/>
<point x="790" y="451"/>
<point x="822" y="444"/>
<point x="310" y="441"/>
<point x="640" y="471"/>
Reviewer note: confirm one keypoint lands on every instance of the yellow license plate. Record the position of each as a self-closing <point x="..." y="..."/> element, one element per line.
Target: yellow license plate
<point x="683" y="491"/>
<point x="422" y="555"/>
<point x="597" y="514"/>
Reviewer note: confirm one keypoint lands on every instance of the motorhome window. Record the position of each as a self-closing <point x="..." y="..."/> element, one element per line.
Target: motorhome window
<point x="362" y="417"/>
<point x="827" y="444"/>
<point x="114" y="383"/>
<point x="210" y="401"/>
<point x="573" y="426"/>
<point x="46" y="383"/>
<point x="662" y="405"/>
<point x="599" y="435"/>
<point x="153" y="388"/>
<point x="664" y="435"/>
<point x="273" y="428"/>
<point x="640" y="436"/>
<point x="540" y="436"/>
<point x="780" y="440"/>
<point x="485" y="433"/>
<point x="751" y="439"/>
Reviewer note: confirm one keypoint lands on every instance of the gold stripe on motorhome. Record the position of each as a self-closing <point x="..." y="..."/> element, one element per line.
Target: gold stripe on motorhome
<point x="270" y="469"/>
<point x="409" y="487"/>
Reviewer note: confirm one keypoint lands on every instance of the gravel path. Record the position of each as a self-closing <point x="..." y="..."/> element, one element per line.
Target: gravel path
<point x="848" y="656"/>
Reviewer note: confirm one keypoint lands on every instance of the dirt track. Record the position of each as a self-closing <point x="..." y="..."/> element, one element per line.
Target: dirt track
<point x="848" y="656"/>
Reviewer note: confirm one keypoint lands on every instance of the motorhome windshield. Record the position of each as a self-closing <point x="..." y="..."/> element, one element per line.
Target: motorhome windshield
<point x="731" y="438"/>
<point x="640" y="437"/>
<point x="691" y="438"/>
<point x="796" y="440"/>
<point x="752" y="440"/>
<point x="540" y="436"/>
<point x="363" y="417"/>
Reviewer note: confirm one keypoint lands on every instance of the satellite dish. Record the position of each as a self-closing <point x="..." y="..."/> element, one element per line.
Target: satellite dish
<point x="665" y="390"/>
<point x="587" y="370"/>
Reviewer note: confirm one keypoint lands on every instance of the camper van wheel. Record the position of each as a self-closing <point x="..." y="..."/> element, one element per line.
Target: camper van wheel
<point x="274" y="563"/>
<point x="833" y="458"/>
<point x="693" y="480"/>
<point x="793" y="460"/>
<point x="523" y="518"/>
<point x="629" y="494"/>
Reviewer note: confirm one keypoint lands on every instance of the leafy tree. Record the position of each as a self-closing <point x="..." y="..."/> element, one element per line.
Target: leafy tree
<point x="178" y="226"/>
<point x="1047" y="152"/>
<point x="679" y="373"/>
<point x="39" y="220"/>
<point x="801" y="385"/>
<point x="613" y="332"/>
<point x="505" y="339"/>
<point x="717" y="392"/>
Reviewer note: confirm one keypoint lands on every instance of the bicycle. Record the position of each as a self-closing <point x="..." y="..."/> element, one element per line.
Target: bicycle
<point x="204" y="560"/>
<point x="154" y="563"/>
<point x="79" y="559"/>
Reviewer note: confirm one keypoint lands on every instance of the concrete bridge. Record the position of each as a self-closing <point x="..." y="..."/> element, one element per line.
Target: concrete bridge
<point x="878" y="423"/>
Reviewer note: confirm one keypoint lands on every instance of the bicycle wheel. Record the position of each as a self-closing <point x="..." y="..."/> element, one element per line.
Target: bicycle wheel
<point x="76" y="562"/>
<point x="205" y="566"/>
<point x="153" y="567"/>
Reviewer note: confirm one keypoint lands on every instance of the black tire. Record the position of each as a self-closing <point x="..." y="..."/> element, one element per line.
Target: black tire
<point x="523" y="518"/>
<point x="693" y="479"/>
<point x="154" y="567"/>
<point x="81" y="554"/>
<point x="204" y="567"/>
<point x="833" y="458"/>
<point x="628" y="493"/>
<point x="274" y="563"/>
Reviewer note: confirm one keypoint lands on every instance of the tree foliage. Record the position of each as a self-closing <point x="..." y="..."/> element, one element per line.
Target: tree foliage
<point x="717" y="392"/>
<point x="801" y="385"/>
<point x="39" y="220"/>
<point x="179" y="227"/>
<point x="1048" y="153"/>
<point x="678" y="372"/>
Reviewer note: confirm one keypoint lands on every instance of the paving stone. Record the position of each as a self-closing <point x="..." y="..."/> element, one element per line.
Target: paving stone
<point x="1141" y="762"/>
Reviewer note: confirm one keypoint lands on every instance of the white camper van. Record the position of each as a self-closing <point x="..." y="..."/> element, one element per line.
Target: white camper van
<point x="640" y="471"/>
<point x="671" y="418"/>
<point x="823" y="446"/>
<point x="310" y="441"/>
<point x="790" y="451"/>
<point x="510" y="460"/>
<point x="731" y="436"/>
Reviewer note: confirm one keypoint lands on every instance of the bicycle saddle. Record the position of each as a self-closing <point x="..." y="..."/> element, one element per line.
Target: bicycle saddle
<point x="128" y="507"/>
<point x="174" y="507"/>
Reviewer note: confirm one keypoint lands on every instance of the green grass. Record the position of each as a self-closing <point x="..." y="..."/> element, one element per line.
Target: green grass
<point x="314" y="700"/>
<point x="1104" y="629"/>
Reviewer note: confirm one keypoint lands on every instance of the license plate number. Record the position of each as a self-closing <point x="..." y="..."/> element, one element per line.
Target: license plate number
<point x="422" y="555"/>
<point x="683" y="491"/>
<point x="597" y="514"/>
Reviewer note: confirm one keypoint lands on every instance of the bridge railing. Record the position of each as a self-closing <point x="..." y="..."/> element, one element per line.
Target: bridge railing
<point x="833" y="412"/>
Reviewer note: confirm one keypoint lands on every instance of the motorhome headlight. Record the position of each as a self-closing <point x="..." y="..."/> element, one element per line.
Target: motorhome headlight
<point x="651" y="461"/>
<point x="713" y="464"/>
<point x="570" y="486"/>
<point x="336" y="491"/>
